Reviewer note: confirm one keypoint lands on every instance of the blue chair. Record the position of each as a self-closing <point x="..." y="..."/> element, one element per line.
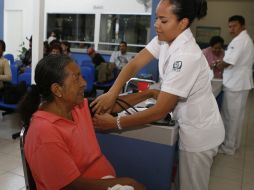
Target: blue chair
<point x="26" y="76"/>
<point x="9" y="57"/>
<point x="105" y="86"/>
<point x="88" y="75"/>
<point x="14" y="74"/>
<point x="10" y="108"/>
<point x="88" y="64"/>
<point x="29" y="180"/>
<point x="28" y="69"/>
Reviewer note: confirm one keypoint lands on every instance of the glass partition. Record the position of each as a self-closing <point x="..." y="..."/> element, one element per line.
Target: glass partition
<point x="134" y="29"/>
<point x="78" y="29"/>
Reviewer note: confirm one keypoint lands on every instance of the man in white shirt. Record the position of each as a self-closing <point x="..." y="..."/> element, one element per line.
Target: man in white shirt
<point x="121" y="57"/>
<point x="237" y="82"/>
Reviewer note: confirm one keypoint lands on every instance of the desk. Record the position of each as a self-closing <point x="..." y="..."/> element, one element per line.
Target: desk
<point x="216" y="86"/>
<point x="145" y="154"/>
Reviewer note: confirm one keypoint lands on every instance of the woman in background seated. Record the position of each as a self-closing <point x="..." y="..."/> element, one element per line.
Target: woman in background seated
<point x="5" y="70"/>
<point x="214" y="54"/>
<point x="60" y="146"/>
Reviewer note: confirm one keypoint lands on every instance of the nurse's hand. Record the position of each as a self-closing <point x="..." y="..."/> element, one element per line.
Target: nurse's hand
<point x="104" y="122"/>
<point x="103" y="103"/>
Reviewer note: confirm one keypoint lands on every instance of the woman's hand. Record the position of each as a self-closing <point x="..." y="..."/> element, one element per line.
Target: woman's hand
<point x="103" y="103"/>
<point x="104" y="122"/>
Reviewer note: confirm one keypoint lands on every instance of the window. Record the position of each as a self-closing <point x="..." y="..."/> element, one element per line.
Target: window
<point x="134" y="29"/>
<point x="75" y="28"/>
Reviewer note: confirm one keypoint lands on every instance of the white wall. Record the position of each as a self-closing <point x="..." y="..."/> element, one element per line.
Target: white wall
<point x="64" y="6"/>
<point x="19" y="31"/>
<point x="220" y="10"/>
<point x="95" y="6"/>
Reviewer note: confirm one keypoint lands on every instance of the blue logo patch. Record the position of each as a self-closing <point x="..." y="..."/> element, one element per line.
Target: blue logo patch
<point x="177" y="66"/>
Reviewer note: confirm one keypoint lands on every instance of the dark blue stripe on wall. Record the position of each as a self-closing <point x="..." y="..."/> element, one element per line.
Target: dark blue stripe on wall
<point x="153" y="16"/>
<point x="1" y="18"/>
<point x="153" y="66"/>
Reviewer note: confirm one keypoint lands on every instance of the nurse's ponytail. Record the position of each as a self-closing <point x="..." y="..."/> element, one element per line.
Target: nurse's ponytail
<point x="202" y="9"/>
<point x="189" y="9"/>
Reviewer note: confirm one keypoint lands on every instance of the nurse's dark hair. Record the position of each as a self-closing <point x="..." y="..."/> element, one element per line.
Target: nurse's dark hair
<point x="190" y="9"/>
<point x="49" y="70"/>
<point x="238" y="18"/>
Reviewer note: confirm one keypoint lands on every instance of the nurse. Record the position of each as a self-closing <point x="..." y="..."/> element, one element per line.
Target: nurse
<point x="237" y="82"/>
<point x="185" y="90"/>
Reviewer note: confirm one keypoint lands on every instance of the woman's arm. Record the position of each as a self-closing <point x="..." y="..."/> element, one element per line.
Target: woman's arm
<point x="6" y="76"/>
<point x="135" y="98"/>
<point x="104" y="103"/>
<point x="82" y="183"/>
<point x="165" y="103"/>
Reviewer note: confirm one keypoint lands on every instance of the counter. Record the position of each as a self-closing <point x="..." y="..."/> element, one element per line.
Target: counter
<point x="145" y="153"/>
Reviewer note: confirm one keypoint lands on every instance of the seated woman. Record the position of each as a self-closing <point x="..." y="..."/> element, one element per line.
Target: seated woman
<point x="5" y="70"/>
<point x="214" y="54"/>
<point x="60" y="146"/>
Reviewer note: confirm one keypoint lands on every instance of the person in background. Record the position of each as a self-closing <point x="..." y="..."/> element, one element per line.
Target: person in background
<point x="27" y="60"/>
<point x="66" y="48"/>
<point x="97" y="59"/>
<point x="237" y="82"/>
<point x="121" y="57"/>
<point x="60" y="146"/>
<point x="5" y="70"/>
<point x="185" y="90"/>
<point x="214" y="54"/>
<point x="55" y="47"/>
<point x="103" y="71"/>
<point x="45" y="48"/>
<point x="52" y="37"/>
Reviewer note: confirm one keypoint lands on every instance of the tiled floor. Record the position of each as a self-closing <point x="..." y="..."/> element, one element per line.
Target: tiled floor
<point x="228" y="172"/>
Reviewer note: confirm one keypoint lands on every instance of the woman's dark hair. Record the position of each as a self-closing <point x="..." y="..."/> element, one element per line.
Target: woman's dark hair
<point x="68" y="45"/>
<point x="49" y="70"/>
<point x="2" y="43"/>
<point x="190" y="9"/>
<point x="55" y="44"/>
<point x="238" y="18"/>
<point x="215" y="40"/>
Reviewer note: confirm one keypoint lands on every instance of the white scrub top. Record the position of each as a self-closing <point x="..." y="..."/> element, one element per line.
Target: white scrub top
<point x="240" y="54"/>
<point x="184" y="72"/>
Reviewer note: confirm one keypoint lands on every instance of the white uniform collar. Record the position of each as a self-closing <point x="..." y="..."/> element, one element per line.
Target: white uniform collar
<point x="241" y="34"/>
<point x="181" y="39"/>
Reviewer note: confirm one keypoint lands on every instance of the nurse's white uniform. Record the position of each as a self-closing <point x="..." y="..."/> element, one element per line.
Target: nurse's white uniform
<point x="184" y="72"/>
<point x="237" y="81"/>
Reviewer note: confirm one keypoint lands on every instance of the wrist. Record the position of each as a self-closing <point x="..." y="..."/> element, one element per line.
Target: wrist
<point x="118" y="122"/>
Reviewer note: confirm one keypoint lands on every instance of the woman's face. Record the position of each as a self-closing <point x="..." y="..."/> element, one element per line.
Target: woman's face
<point x="166" y="25"/>
<point x="217" y="48"/>
<point x="73" y="86"/>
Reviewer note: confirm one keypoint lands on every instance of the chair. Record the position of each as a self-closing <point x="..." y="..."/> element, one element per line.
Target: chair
<point x="88" y="64"/>
<point x="29" y="181"/>
<point x="10" y="108"/>
<point x="105" y="86"/>
<point x="26" y="76"/>
<point x="136" y="83"/>
<point x="88" y="75"/>
<point x="14" y="74"/>
<point x="10" y="58"/>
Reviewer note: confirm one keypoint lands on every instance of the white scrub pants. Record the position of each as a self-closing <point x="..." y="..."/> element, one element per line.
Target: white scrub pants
<point x="194" y="169"/>
<point x="232" y="113"/>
